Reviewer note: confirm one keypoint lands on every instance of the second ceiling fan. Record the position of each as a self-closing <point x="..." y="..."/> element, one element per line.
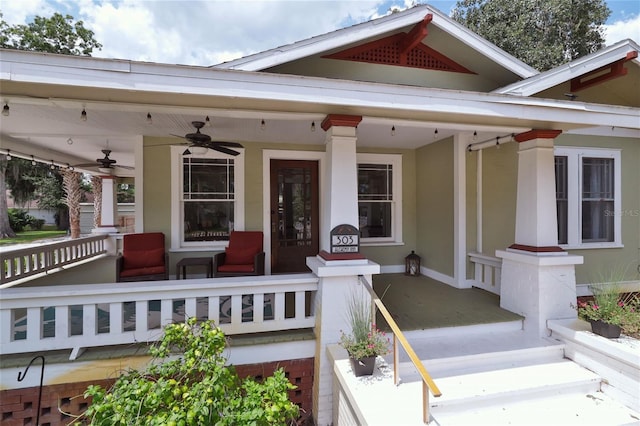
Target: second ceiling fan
<point x="199" y="139"/>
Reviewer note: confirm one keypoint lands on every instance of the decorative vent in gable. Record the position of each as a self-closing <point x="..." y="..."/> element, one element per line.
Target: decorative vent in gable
<point x="387" y="51"/>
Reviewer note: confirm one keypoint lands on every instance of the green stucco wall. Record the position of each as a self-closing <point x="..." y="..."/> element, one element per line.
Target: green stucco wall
<point x="434" y="194"/>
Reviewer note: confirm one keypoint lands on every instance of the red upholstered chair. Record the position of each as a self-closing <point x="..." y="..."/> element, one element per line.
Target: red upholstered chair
<point x="243" y="256"/>
<point x="143" y="258"/>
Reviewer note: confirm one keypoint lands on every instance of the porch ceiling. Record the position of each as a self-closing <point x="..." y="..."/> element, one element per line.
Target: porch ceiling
<point x="50" y="128"/>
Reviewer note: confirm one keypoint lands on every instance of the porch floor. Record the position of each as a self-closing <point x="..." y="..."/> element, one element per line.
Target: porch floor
<point x="419" y="303"/>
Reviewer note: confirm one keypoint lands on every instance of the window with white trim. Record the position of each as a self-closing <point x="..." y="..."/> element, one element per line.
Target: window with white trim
<point x="380" y="198"/>
<point x="588" y="197"/>
<point x="208" y="198"/>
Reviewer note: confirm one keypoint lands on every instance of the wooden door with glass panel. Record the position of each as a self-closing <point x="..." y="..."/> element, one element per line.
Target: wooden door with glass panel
<point x="294" y="214"/>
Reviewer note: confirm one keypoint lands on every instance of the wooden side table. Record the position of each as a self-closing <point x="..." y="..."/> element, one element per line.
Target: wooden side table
<point x="194" y="261"/>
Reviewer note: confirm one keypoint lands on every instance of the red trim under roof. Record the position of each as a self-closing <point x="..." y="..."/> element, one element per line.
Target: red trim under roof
<point x="402" y="49"/>
<point x="606" y="73"/>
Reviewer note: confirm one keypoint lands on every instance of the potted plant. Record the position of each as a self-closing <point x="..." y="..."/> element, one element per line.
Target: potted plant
<point x="609" y="310"/>
<point x="366" y="341"/>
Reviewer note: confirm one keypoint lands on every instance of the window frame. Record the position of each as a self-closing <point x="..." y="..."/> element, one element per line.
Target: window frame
<point x="177" y="213"/>
<point x="395" y="160"/>
<point x="575" y="200"/>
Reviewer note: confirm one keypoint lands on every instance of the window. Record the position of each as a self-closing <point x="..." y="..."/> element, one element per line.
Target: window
<point x="207" y="198"/>
<point x="588" y="201"/>
<point x="379" y="198"/>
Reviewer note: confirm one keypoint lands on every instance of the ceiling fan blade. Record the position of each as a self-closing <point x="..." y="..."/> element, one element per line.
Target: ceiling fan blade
<point x="224" y="150"/>
<point x="177" y="136"/>
<point x="227" y="144"/>
<point x="87" y="165"/>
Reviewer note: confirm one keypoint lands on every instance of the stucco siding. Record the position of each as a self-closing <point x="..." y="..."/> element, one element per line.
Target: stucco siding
<point x="499" y="189"/>
<point x="434" y="194"/>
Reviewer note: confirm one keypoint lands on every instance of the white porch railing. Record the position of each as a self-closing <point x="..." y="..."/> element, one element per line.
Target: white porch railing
<point x="26" y="262"/>
<point x="81" y="316"/>
<point x="487" y="271"/>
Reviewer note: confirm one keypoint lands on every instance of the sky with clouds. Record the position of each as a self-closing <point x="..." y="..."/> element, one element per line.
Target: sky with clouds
<point x="207" y="32"/>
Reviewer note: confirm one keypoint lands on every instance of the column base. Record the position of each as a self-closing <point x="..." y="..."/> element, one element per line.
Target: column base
<point x="539" y="287"/>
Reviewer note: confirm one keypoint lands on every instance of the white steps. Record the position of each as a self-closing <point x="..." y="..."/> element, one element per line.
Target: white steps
<point x="497" y="375"/>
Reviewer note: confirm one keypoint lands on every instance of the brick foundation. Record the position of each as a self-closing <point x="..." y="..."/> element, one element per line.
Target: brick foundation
<point x="60" y="403"/>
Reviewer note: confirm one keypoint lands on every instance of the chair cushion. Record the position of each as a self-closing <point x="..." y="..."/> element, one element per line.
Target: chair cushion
<point x="235" y="268"/>
<point x="154" y="270"/>
<point x="240" y="256"/>
<point x="135" y="259"/>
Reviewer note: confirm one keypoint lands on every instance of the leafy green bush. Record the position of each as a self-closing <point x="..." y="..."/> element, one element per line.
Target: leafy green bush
<point x="189" y="384"/>
<point x="36" y="224"/>
<point x="19" y="219"/>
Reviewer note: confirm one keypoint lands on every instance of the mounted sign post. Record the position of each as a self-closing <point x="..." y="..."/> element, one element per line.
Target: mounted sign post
<point x="345" y="239"/>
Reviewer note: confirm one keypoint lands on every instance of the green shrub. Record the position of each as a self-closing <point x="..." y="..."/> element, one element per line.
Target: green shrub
<point x="189" y="384"/>
<point x="19" y="219"/>
<point x="36" y="224"/>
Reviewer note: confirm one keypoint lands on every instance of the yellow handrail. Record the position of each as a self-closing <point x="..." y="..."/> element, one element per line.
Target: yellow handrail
<point x="398" y="336"/>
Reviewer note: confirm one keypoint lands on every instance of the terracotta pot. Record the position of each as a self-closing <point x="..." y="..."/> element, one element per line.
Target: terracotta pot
<point x="363" y="366"/>
<point x="604" y="329"/>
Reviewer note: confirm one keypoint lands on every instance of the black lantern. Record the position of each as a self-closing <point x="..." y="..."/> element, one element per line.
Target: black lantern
<point x="412" y="264"/>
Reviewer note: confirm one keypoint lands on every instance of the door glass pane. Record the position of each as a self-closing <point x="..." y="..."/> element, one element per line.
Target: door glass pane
<point x="294" y="207"/>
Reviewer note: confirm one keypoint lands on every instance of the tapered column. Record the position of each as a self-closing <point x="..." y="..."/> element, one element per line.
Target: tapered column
<point x="108" y="218"/>
<point x="536" y="215"/>
<point x="340" y="201"/>
<point x="538" y="277"/>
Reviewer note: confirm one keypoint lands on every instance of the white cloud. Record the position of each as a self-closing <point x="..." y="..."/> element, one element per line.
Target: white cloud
<point x="209" y="32"/>
<point x="620" y="30"/>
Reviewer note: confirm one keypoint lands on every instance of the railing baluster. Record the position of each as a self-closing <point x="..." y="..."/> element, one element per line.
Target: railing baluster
<point x="190" y="308"/>
<point x="142" y="313"/>
<point x="62" y="322"/>
<point x="34" y="324"/>
<point x="166" y="312"/>
<point x="116" y="316"/>
<point x="258" y="308"/>
<point x="214" y="309"/>
<point x="279" y="303"/>
<point x="300" y="300"/>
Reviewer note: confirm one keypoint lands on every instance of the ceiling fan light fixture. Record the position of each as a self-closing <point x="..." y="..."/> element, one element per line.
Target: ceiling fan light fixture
<point x="5" y="109"/>
<point x="83" y="115"/>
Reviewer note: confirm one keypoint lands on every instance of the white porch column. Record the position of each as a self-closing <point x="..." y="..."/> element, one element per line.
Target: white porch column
<point x="338" y="272"/>
<point x="338" y="279"/>
<point x="340" y="194"/>
<point x="109" y="206"/>
<point x="538" y="277"/>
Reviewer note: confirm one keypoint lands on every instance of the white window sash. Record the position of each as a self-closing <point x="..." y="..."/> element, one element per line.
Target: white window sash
<point x="395" y="160"/>
<point x="177" y="212"/>
<point x="575" y="156"/>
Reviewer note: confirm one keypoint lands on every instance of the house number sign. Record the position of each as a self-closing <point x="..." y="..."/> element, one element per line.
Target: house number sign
<point x="345" y="239"/>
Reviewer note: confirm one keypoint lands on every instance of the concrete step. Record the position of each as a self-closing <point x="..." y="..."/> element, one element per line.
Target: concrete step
<point x="580" y="409"/>
<point x="514" y="384"/>
<point x="477" y="349"/>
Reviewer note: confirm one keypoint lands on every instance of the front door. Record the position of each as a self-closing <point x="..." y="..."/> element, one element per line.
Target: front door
<point x="294" y="214"/>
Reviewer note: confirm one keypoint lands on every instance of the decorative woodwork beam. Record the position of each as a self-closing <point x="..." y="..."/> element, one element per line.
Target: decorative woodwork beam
<point x="340" y="120"/>
<point x="606" y="73"/>
<point x="415" y="36"/>
<point x="537" y="134"/>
